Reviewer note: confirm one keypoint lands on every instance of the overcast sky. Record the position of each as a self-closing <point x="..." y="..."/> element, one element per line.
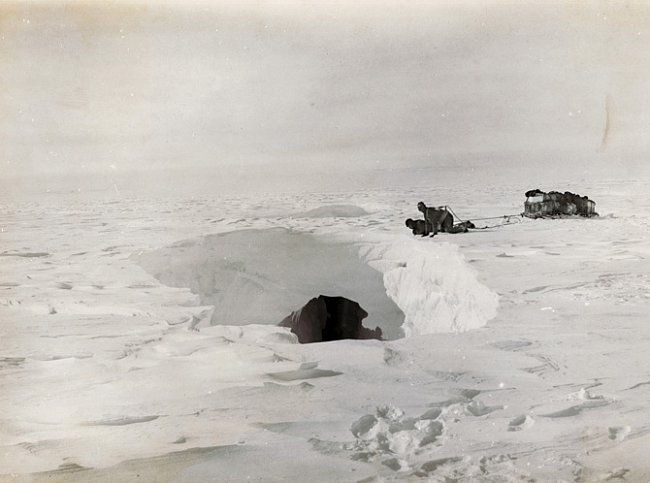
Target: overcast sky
<point x="113" y="86"/>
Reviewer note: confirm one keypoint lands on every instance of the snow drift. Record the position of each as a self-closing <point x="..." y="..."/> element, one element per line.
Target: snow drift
<point x="432" y="284"/>
<point x="333" y="211"/>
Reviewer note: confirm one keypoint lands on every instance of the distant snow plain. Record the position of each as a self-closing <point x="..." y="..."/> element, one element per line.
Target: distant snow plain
<point x="139" y="340"/>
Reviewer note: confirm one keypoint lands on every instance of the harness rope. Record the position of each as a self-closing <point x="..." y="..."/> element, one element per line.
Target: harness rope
<point x="507" y="219"/>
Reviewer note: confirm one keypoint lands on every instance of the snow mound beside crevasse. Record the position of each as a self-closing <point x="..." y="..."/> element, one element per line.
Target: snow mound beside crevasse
<point x="432" y="284"/>
<point x="333" y="211"/>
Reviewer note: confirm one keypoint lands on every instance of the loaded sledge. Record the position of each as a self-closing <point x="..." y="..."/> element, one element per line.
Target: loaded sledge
<point x="554" y="204"/>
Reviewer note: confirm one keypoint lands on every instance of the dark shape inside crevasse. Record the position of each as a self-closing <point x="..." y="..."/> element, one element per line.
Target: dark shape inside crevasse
<point x="326" y="318"/>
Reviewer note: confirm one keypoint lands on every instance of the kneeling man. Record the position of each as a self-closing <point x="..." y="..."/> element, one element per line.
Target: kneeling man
<point x="436" y="219"/>
<point x="418" y="227"/>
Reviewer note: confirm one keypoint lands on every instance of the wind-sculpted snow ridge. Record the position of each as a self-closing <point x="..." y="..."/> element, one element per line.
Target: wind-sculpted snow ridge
<point x="432" y="284"/>
<point x="334" y="211"/>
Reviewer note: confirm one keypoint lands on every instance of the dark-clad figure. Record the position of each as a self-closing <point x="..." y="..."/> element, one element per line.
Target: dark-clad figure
<point x="436" y="219"/>
<point x="418" y="227"/>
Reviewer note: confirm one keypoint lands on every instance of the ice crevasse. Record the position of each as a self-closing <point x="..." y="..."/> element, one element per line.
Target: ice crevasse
<point x="432" y="284"/>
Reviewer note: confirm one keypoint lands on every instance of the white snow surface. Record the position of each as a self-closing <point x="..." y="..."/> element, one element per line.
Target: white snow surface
<point x="526" y="356"/>
<point x="432" y="284"/>
<point x="333" y="211"/>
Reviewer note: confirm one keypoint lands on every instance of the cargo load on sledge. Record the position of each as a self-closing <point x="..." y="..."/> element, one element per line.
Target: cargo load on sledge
<point x="555" y="204"/>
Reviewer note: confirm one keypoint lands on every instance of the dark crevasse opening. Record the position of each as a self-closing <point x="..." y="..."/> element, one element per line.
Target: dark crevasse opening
<point x="261" y="276"/>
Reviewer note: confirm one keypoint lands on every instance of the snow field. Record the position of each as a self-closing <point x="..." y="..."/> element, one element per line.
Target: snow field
<point x="110" y="375"/>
